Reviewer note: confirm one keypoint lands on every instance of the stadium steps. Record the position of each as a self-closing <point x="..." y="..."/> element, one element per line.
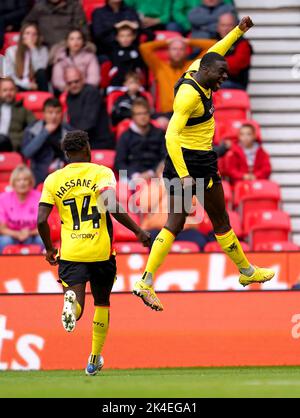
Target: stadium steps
<point x="274" y="90"/>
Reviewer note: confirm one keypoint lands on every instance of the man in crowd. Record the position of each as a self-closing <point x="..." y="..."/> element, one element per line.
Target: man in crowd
<point x="14" y="118"/>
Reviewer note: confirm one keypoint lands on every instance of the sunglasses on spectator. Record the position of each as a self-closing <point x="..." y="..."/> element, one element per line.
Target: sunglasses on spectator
<point x="69" y="83"/>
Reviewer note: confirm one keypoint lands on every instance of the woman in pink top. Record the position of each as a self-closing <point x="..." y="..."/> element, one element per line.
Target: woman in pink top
<point x="76" y="52"/>
<point x="18" y="210"/>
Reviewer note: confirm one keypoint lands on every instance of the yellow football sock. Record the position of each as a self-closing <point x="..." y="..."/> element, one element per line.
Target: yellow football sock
<point x="232" y="247"/>
<point x="160" y="249"/>
<point x="100" y="328"/>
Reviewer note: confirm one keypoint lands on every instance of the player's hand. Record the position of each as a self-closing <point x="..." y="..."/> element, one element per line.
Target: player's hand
<point x="144" y="237"/>
<point x="187" y="181"/>
<point x="246" y="23"/>
<point x="52" y="256"/>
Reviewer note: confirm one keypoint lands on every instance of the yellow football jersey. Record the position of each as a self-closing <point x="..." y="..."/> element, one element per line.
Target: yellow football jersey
<point x="86" y="234"/>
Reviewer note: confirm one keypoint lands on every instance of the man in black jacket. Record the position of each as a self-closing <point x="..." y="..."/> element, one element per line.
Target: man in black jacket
<point x="86" y="110"/>
<point x="142" y="148"/>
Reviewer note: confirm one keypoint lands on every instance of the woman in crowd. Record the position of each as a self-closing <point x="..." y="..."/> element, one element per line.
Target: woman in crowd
<point x="75" y="52"/>
<point x="27" y="61"/>
<point x="18" y="210"/>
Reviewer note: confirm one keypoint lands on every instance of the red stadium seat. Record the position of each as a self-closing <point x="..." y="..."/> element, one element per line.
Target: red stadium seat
<point x="235" y="222"/>
<point x="121" y="233"/>
<point x="184" y="247"/>
<point x="231" y="104"/>
<point x="89" y="7"/>
<point x="205" y="226"/>
<point x="34" y="101"/>
<point x="255" y="196"/>
<point x="130" y="248"/>
<point x="227" y="193"/>
<point x="104" y="74"/>
<point x="4" y="186"/>
<point x="123" y="193"/>
<point x="104" y="157"/>
<point x="214" y="247"/>
<point x="270" y="226"/>
<point x="230" y="129"/>
<point x="8" y="161"/>
<point x="55" y="225"/>
<point x="22" y="249"/>
<point x="10" y="39"/>
<point x="114" y="95"/>
<point x="278" y="246"/>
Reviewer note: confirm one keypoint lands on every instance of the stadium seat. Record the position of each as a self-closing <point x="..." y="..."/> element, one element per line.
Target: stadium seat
<point x="130" y="248"/>
<point x="277" y="246"/>
<point x="55" y="225"/>
<point x="214" y="247"/>
<point x="229" y="129"/>
<point x="123" y="193"/>
<point x="184" y="247"/>
<point x="235" y="222"/>
<point x="269" y="226"/>
<point x="10" y="39"/>
<point x="231" y="104"/>
<point x="34" y="101"/>
<point x="121" y="233"/>
<point x="105" y="78"/>
<point x="205" y="226"/>
<point x="114" y="95"/>
<point x="22" y="249"/>
<point x="4" y="186"/>
<point x="227" y="193"/>
<point x="8" y="161"/>
<point x="255" y="196"/>
<point x="89" y="7"/>
<point x="104" y="157"/>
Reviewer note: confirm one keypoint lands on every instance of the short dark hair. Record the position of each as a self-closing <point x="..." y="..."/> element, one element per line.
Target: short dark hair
<point x="249" y="125"/>
<point x="75" y="141"/>
<point x="52" y="102"/>
<point x="141" y="101"/>
<point x="210" y="59"/>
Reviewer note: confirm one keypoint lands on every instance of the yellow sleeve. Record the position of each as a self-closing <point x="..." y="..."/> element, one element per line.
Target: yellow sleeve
<point x="220" y="47"/>
<point x="107" y="180"/>
<point x="186" y="100"/>
<point x="47" y="193"/>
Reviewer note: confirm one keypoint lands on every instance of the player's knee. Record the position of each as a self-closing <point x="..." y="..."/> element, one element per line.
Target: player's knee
<point x="221" y="223"/>
<point x="175" y="228"/>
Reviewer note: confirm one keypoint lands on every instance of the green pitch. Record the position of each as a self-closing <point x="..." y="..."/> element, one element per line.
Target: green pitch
<point x="187" y="382"/>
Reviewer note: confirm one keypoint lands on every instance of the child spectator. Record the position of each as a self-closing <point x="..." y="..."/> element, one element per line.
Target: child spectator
<point x="204" y="18"/>
<point x="124" y="54"/>
<point x="122" y="106"/>
<point x="18" y="210"/>
<point x="27" y="61"/>
<point x="141" y="148"/>
<point x="41" y="141"/>
<point x="55" y="18"/>
<point x="105" y="19"/>
<point x="247" y="160"/>
<point x="14" y="117"/>
<point x="76" y="52"/>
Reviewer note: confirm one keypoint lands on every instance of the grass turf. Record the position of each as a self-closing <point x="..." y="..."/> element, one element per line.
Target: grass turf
<point x="185" y="382"/>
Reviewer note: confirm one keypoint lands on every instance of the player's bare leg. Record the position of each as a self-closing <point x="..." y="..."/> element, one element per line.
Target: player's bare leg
<point x="214" y="204"/>
<point x="74" y="297"/>
<point x="160" y="249"/>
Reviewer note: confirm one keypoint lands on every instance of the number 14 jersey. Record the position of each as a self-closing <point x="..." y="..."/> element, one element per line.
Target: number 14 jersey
<point x="86" y="234"/>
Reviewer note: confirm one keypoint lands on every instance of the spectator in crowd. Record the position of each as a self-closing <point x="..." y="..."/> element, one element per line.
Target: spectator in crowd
<point x="18" y="210"/>
<point x="41" y="141"/>
<point x="12" y="12"/>
<point x="27" y="61"/>
<point x="124" y="54"/>
<point x="153" y="203"/>
<point x="55" y="18"/>
<point x="122" y="106"/>
<point x="154" y="14"/>
<point x="179" y="15"/>
<point x="168" y="72"/>
<point x="141" y="148"/>
<point x="238" y="57"/>
<point x="104" y="20"/>
<point x="86" y="110"/>
<point x="247" y="160"/>
<point x="204" y="18"/>
<point x="14" y="118"/>
<point x="77" y="52"/>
